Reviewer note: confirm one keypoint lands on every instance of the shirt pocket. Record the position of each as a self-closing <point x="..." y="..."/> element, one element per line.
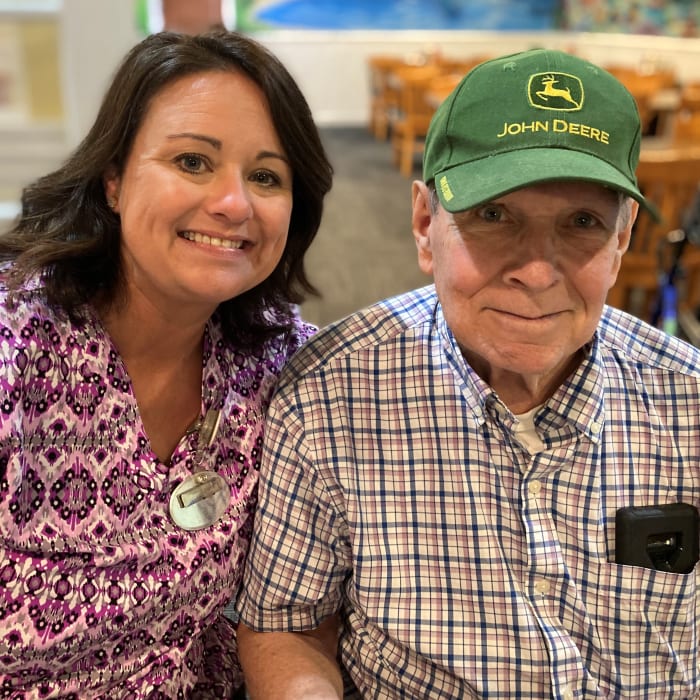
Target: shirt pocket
<point x="647" y="622"/>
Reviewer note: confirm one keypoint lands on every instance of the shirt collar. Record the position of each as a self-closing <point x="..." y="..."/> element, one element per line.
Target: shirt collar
<point x="579" y="401"/>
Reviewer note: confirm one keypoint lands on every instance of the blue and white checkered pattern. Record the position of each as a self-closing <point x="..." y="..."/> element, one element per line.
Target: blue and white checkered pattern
<point x="395" y="490"/>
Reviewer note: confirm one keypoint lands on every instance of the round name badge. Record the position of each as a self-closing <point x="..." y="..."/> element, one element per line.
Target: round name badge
<point x="199" y="501"/>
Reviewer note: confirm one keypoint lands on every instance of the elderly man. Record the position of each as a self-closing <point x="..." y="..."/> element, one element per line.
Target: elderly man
<point x="488" y="488"/>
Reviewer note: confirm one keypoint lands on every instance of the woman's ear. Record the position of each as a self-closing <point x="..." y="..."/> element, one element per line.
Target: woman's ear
<point x="421" y="219"/>
<point x="112" y="185"/>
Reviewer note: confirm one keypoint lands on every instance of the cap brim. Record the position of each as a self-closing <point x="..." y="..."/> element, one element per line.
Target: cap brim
<point x="485" y="179"/>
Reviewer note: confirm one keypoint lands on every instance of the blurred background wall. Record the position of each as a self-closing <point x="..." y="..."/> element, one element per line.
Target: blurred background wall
<point x="57" y="56"/>
<point x="68" y="48"/>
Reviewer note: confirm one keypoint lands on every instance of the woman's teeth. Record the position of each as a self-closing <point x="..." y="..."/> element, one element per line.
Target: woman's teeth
<point x="208" y="240"/>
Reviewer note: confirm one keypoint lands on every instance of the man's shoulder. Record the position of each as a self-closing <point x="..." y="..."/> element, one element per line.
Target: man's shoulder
<point x="640" y="343"/>
<point x="381" y="323"/>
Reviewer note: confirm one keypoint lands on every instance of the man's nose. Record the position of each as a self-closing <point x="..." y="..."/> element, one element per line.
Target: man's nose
<point x="535" y="262"/>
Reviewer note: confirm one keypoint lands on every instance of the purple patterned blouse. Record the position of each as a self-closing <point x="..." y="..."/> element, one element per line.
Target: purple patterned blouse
<point x="101" y="594"/>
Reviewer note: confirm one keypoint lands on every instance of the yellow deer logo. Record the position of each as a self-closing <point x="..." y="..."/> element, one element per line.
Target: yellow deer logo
<point x="556" y="91"/>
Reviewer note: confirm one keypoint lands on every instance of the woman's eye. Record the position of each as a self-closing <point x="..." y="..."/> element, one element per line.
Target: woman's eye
<point x="191" y="162"/>
<point x="265" y="177"/>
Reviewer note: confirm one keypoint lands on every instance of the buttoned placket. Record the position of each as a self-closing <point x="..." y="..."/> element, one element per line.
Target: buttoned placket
<point x="546" y="580"/>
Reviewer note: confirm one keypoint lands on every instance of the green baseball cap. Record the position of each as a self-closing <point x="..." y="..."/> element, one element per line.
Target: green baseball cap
<point x="531" y="117"/>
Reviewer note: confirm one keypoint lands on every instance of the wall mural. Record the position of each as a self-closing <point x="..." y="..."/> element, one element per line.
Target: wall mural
<point x="502" y="15"/>
<point x="679" y="18"/>
<point x="666" y="17"/>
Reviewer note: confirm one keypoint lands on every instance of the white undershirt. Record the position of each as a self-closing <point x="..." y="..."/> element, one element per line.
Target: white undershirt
<point x="525" y="431"/>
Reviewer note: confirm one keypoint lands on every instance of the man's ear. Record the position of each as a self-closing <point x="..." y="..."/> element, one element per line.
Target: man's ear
<point x="112" y="184"/>
<point x="624" y="236"/>
<point x="422" y="216"/>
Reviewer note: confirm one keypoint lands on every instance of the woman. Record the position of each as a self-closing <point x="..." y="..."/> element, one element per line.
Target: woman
<point x="148" y="304"/>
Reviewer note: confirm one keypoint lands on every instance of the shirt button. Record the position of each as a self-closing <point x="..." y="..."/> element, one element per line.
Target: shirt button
<point x="568" y="694"/>
<point x="542" y="587"/>
<point x="534" y="487"/>
<point x="596" y="427"/>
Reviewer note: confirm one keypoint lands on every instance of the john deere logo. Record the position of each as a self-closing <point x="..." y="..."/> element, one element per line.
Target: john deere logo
<point x="559" y="91"/>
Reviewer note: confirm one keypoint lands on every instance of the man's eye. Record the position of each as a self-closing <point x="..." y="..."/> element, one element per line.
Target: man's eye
<point x="491" y="212"/>
<point x="585" y="220"/>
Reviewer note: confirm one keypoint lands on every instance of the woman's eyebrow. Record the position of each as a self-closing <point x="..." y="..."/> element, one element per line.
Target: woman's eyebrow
<point x="216" y="143"/>
<point x="272" y="154"/>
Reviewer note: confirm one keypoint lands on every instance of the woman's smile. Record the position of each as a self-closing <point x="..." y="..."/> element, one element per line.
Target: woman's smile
<point x="213" y="241"/>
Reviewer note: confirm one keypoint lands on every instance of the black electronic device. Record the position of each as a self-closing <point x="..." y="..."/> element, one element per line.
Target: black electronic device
<point x="662" y="537"/>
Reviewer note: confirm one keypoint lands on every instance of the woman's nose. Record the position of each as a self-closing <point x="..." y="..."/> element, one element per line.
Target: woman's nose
<point x="229" y="196"/>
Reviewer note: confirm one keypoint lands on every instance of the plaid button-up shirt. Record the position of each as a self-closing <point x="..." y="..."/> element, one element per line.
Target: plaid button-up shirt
<point x="394" y="489"/>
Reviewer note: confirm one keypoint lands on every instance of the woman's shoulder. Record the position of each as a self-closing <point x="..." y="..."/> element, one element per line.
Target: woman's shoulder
<point x="291" y="332"/>
<point x="271" y="352"/>
<point x="299" y="331"/>
<point x="25" y="302"/>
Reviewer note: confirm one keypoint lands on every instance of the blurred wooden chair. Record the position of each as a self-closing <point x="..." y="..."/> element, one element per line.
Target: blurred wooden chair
<point x="385" y="72"/>
<point x="383" y="96"/>
<point x="645" y="85"/>
<point x="685" y="128"/>
<point x="451" y="74"/>
<point x="440" y="87"/>
<point x="460" y="65"/>
<point x="669" y="178"/>
<point x="400" y="104"/>
<point x="690" y="96"/>
<point x="410" y="126"/>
